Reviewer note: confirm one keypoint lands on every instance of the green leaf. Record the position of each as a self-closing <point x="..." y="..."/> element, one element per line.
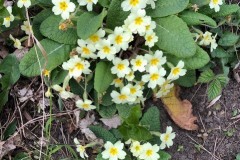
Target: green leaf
<point x="151" y="119"/>
<point x="188" y="80"/>
<point x="195" y="18"/>
<point x="11" y="128"/>
<point x="199" y="2"/>
<point x="116" y="15"/>
<point x="102" y="133"/>
<point x="107" y="111"/>
<point x="219" y="52"/>
<point x="4" y="98"/>
<point x="103" y="76"/>
<point x="174" y="37"/>
<point x="3" y="13"/>
<point x="226" y="10"/>
<point x="134" y="132"/>
<point x="56" y="55"/>
<point x="22" y="156"/>
<point x="104" y="3"/>
<point x="238" y="156"/>
<point x="164" y="155"/>
<point x="214" y="89"/>
<point x="206" y="76"/>
<point x="124" y="110"/>
<point x="134" y="115"/>
<point x="50" y="28"/>
<point x="223" y="79"/>
<point x="228" y="39"/>
<point x="106" y="100"/>
<point x="57" y="76"/>
<point x="79" y="87"/>
<point x="88" y="24"/>
<point x="166" y="8"/>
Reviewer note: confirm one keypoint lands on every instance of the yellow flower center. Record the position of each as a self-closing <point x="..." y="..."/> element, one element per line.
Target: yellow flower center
<point x="86" y="106"/>
<point x="138" y="62"/>
<point x="166" y="138"/>
<point x="122" y="97"/>
<point x="149" y="152"/>
<point x="149" y="38"/>
<point x="133" y="90"/>
<point x="119" y="39"/>
<point x="63" y="6"/>
<point x="89" y="1"/>
<point x="120" y="67"/>
<point x="215" y="1"/>
<point x="80" y="66"/>
<point x="106" y="49"/>
<point x="138" y="21"/>
<point x="154" y="61"/>
<point x="86" y="50"/>
<point x="46" y="73"/>
<point x="137" y="148"/>
<point x="113" y="151"/>
<point x="118" y="81"/>
<point x="147" y="27"/>
<point x="176" y="71"/>
<point x="94" y="38"/>
<point x="8" y="18"/>
<point x="134" y="2"/>
<point x="154" y="77"/>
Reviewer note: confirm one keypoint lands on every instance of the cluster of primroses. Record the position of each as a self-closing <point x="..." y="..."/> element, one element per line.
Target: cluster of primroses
<point x="144" y="151"/>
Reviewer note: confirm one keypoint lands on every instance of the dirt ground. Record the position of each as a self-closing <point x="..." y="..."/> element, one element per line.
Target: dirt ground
<point x="218" y="137"/>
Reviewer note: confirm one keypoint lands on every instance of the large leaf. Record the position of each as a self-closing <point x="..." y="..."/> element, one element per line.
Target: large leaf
<point x="175" y="37"/>
<point x="56" y="55"/>
<point x="102" y="133"/>
<point x="228" y="39"/>
<point x="167" y="7"/>
<point x="188" y="80"/>
<point x="116" y="15"/>
<point x="134" y="115"/>
<point x="195" y="18"/>
<point x="151" y="119"/>
<point x="199" y="2"/>
<point x="180" y="111"/>
<point x="103" y="76"/>
<point x="50" y="28"/>
<point x="88" y="24"/>
<point x="226" y="10"/>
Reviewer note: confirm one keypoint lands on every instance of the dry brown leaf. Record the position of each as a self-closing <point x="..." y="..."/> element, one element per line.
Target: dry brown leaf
<point x="180" y="111"/>
<point x="113" y="122"/>
<point x="84" y="123"/>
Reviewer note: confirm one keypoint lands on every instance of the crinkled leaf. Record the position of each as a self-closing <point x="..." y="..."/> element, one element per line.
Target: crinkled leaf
<point x="206" y="76"/>
<point x="175" y="37"/>
<point x="50" y="28"/>
<point x="124" y="110"/>
<point x="11" y="128"/>
<point x="103" y="76"/>
<point x="214" y="89"/>
<point x="188" y="80"/>
<point x="180" y="111"/>
<point x="104" y="3"/>
<point x="107" y="111"/>
<point x="195" y="18"/>
<point x="88" y="23"/>
<point x="228" y="39"/>
<point x="219" y="52"/>
<point x="223" y="79"/>
<point x="166" y="8"/>
<point x="102" y="133"/>
<point x="56" y="55"/>
<point x="164" y="155"/>
<point x="134" y="115"/>
<point x="116" y="15"/>
<point x="151" y="119"/>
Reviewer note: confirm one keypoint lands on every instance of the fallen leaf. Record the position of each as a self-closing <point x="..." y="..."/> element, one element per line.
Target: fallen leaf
<point x="84" y="123"/>
<point x="25" y="94"/>
<point x="180" y="111"/>
<point x="113" y="122"/>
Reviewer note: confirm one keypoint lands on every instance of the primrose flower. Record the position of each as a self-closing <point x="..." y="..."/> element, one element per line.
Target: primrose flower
<point x="62" y="92"/>
<point x="167" y="138"/>
<point x="135" y="90"/>
<point x="133" y="5"/>
<point x="136" y="148"/>
<point x="149" y="152"/>
<point x="96" y="37"/>
<point x="17" y="43"/>
<point x="86" y="50"/>
<point x="76" y="66"/>
<point x="120" y="38"/>
<point x="213" y="43"/>
<point x="177" y="71"/>
<point x="63" y="7"/>
<point x="26" y="27"/>
<point x="165" y="89"/>
<point x="206" y="38"/>
<point x="123" y="97"/>
<point x="88" y="3"/>
<point x="155" y="77"/>
<point x="118" y="82"/>
<point x="130" y="77"/>
<point x="26" y="3"/>
<point x="156" y="60"/>
<point x="113" y="151"/>
<point x="215" y="4"/>
<point x="137" y="22"/>
<point x="106" y="50"/>
<point x="81" y="149"/>
<point x="86" y="105"/>
<point x="121" y="67"/>
<point x="139" y="63"/>
<point x="48" y="93"/>
<point x="7" y="20"/>
<point x="150" y="38"/>
<point x="152" y="3"/>
<point x="151" y="26"/>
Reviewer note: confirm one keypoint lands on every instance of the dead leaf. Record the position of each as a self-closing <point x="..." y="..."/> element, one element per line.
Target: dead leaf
<point x="113" y="122"/>
<point x="180" y="111"/>
<point x="10" y="144"/>
<point x="25" y="94"/>
<point x="19" y="53"/>
<point x="84" y="123"/>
